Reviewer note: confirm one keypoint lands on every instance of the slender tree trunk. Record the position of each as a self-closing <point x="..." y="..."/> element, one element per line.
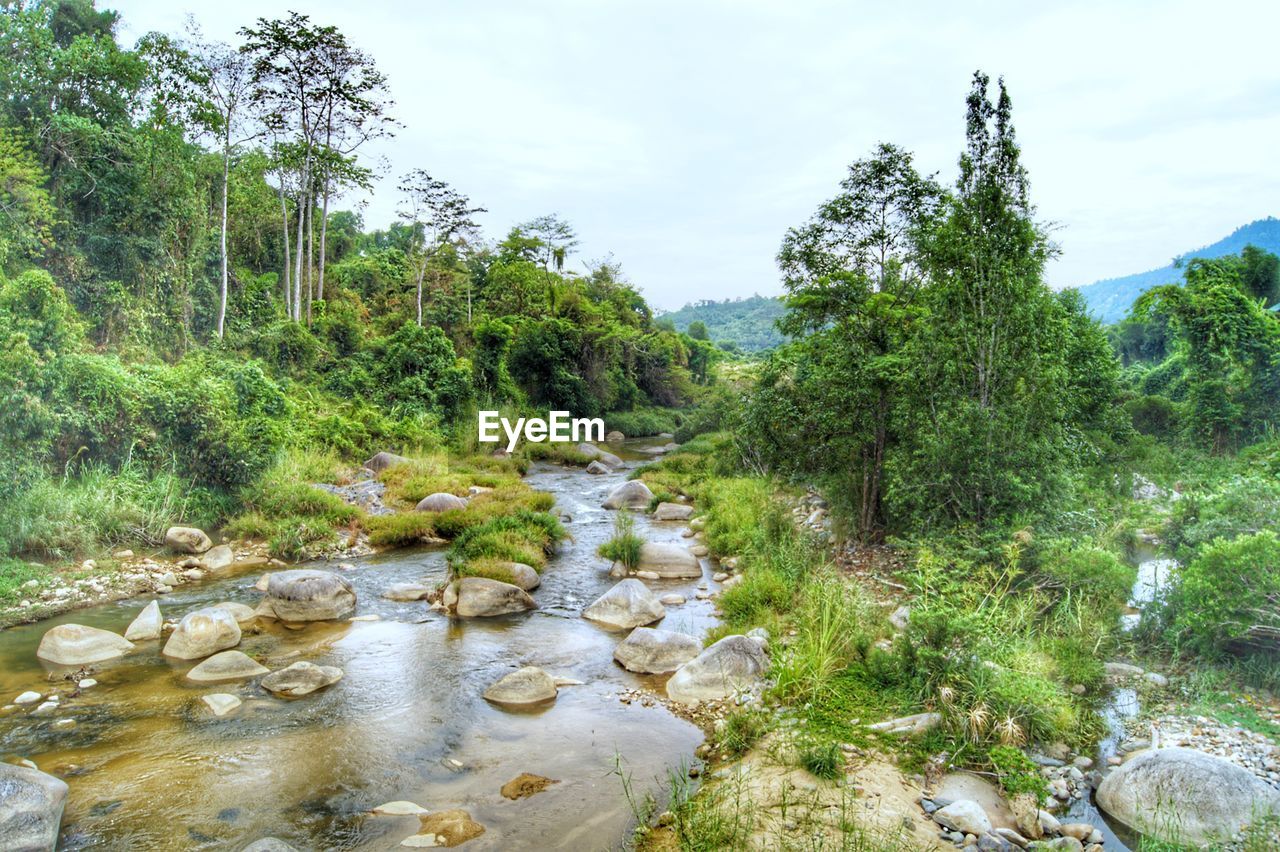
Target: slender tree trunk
<point x="311" y="233"/>
<point x="226" y="183"/>
<point x="422" y="272"/>
<point x="324" y="230"/>
<point x="297" y="250"/>
<point x="284" y="214"/>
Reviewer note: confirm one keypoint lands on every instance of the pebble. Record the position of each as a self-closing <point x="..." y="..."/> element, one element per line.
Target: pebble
<point x="86" y="683"/>
<point x="28" y="698"/>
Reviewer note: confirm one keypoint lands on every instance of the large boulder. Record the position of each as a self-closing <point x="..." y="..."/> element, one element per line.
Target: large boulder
<point x="615" y="437"/>
<point x="598" y="468"/>
<point x="669" y="561"/>
<point x="305" y="594"/>
<point x="965" y="816"/>
<point x="187" y="540"/>
<point x="733" y="664"/>
<point x="524" y="576"/>
<point x="77" y="645"/>
<point x="301" y="679"/>
<point x="628" y="604"/>
<point x="407" y="592"/>
<point x="242" y="613"/>
<point x="203" y="633"/>
<point x="632" y="494"/>
<point x="226" y="665"/>
<point x="146" y="625"/>
<point x="605" y="457"/>
<point x="217" y="558"/>
<point x="31" y="804"/>
<point x="382" y="461"/>
<point x="1185" y="796"/>
<point x="651" y="651"/>
<point x="480" y="597"/>
<point x="441" y="501"/>
<point x="672" y="512"/>
<point x="522" y="688"/>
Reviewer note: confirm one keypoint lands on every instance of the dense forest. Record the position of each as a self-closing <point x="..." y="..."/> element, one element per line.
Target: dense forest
<point x="194" y="327"/>
<point x="746" y="325"/>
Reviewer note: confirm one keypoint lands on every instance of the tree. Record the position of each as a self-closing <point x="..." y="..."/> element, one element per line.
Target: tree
<point x="1230" y="346"/>
<point x="698" y="330"/>
<point x="215" y="80"/>
<point x="1260" y="275"/>
<point x="436" y="214"/>
<point x="556" y="240"/>
<point x="853" y="277"/>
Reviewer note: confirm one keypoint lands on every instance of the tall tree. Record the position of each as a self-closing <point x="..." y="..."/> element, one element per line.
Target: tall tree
<point x="556" y="240"/>
<point x="437" y="214"/>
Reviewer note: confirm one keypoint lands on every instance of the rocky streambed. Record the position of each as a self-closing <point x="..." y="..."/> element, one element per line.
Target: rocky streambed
<point x="380" y="709"/>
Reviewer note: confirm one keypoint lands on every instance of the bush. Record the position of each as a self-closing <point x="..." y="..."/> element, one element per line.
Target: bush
<point x="1154" y="415"/>
<point x="1229" y="594"/>
<point x="1017" y="773"/>
<point x="825" y="760"/>
<point x="625" y="545"/>
<point x="642" y="422"/>
<point x="742" y="729"/>
<point x="1242" y="506"/>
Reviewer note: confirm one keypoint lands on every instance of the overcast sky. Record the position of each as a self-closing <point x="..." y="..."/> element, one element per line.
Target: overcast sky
<point x="685" y="137"/>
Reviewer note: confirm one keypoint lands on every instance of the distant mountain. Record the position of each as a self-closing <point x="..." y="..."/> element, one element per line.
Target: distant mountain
<point x="1111" y="299"/>
<point x="747" y="322"/>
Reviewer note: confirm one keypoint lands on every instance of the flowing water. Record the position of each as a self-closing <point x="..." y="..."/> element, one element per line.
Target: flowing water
<point x="1122" y="704"/>
<point x="149" y="767"/>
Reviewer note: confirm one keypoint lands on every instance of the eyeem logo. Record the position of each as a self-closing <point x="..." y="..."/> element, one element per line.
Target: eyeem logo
<point x="560" y="427"/>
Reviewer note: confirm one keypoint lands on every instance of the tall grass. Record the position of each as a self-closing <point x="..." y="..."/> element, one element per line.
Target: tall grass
<point x="625" y="545"/>
<point x="98" y="508"/>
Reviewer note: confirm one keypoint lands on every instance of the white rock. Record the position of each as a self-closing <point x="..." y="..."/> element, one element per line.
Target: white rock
<point x="221" y="703"/>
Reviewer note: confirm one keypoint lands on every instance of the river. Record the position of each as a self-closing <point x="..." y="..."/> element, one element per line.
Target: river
<point x="149" y="767"/>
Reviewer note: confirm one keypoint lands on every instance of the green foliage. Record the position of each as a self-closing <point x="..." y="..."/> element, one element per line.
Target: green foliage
<point x="749" y="323"/>
<point x="1018" y="774"/>
<point x="1228" y="595"/>
<point x="823" y="759"/>
<point x="742" y="730"/>
<point x="401" y="529"/>
<point x="624" y="547"/>
<point x="642" y="422"/>
<point x="1241" y="505"/>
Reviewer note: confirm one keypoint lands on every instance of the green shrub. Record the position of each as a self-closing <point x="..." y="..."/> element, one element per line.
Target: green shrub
<point x="1017" y="773"/>
<point x="524" y="536"/>
<point x="1230" y="593"/>
<point x="824" y="760"/>
<point x="1241" y="506"/>
<point x="625" y="545"/>
<point x="742" y="729"/>
<point x="642" y="422"/>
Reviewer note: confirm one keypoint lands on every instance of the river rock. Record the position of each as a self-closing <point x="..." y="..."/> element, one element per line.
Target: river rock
<point x="445" y="828"/>
<point x="597" y="468"/>
<point x="202" y="633"/>
<point x="226" y="665"/>
<point x="27" y="697"/>
<point x="615" y="437"/>
<point x="301" y="678"/>
<point x="269" y="844"/>
<point x="650" y="651"/>
<point x="524" y="785"/>
<point x="186" y="540"/>
<point x="441" y="501"/>
<point x="381" y="461"/>
<point x="242" y="613"/>
<point x="399" y="808"/>
<point x="734" y="663"/>
<point x="672" y="599"/>
<point x="527" y="686"/>
<point x="146" y="625"/>
<point x="480" y="597"/>
<point x="217" y="558"/>
<point x="965" y="816"/>
<point x="31" y="804"/>
<point x="222" y="703"/>
<point x="672" y="512"/>
<point x="632" y="494"/>
<point x="308" y="595"/>
<point x="969" y="786"/>
<point x="1185" y="796"/>
<point x="77" y="645"/>
<point x="405" y="592"/>
<point x="628" y="604"/>
<point x="605" y="457"/>
<point x="669" y="561"/>
<point x="524" y="576"/>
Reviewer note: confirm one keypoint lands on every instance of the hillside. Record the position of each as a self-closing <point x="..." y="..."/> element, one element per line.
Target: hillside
<point x="749" y="322"/>
<point x="1109" y="300"/>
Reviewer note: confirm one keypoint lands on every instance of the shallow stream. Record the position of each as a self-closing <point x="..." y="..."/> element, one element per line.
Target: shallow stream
<point x="150" y="767"/>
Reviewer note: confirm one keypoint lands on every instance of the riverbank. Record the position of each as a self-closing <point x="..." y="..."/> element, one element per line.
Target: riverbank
<point x="1030" y="715"/>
